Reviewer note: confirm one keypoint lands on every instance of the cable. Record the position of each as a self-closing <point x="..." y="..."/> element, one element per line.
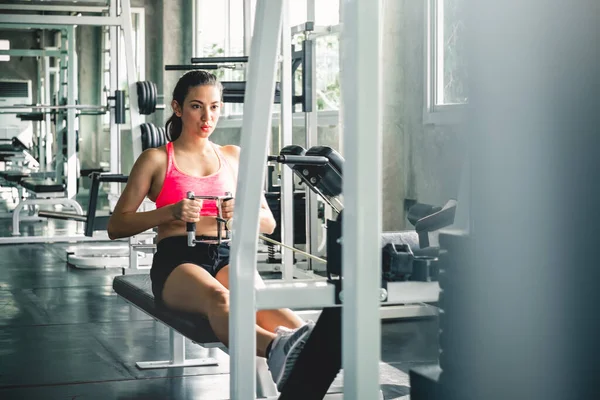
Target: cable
<point x="266" y="239"/>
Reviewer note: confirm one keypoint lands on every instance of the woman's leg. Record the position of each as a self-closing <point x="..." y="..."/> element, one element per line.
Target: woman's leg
<point x="191" y="288"/>
<point x="267" y="319"/>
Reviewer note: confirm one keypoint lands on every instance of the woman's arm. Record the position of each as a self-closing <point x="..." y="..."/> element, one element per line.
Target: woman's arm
<point x="125" y="220"/>
<point x="266" y="220"/>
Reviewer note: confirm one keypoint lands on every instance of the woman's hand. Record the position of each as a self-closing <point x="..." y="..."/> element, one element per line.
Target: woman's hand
<point x="187" y="210"/>
<point x="227" y="208"/>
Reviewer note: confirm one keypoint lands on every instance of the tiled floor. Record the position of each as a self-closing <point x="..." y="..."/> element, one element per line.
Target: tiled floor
<point x="64" y="334"/>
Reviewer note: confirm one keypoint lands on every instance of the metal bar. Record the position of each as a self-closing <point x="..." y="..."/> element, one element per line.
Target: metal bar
<point x="286" y="133"/>
<point x="305" y="295"/>
<point x="60" y="119"/>
<point x="187" y="67"/>
<point x="62" y="216"/>
<point x="113" y="84"/>
<point x="32" y="26"/>
<point x="361" y="80"/>
<point x="309" y="72"/>
<point x="54" y="238"/>
<point x="386" y="312"/>
<point x="134" y="111"/>
<point x="247" y="25"/>
<point x="177" y="342"/>
<point x="58" y="8"/>
<point x="46" y="155"/>
<point x="31" y="53"/>
<point x="63" y="20"/>
<point x="412" y="292"/>
<point x="323" y="31"/>
<point x="213" y="60"/>
<point x="50" y="107"/>
<point x="71" y="133"/>
<point x="258" y="109"/>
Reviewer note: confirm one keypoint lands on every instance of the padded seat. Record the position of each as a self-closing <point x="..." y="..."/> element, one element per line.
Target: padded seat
<point x="42" y="185"/>
<point x="137" y="289"/>
<point x="14" y="176"/>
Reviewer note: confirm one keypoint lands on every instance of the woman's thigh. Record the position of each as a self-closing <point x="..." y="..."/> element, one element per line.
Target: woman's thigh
<point x="191" y="288"/>
<point x="223" y="277"/>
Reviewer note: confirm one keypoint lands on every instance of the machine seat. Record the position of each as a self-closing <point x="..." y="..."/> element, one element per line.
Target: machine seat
<point x="137" y="289"/>
<point x="42" y="185"/>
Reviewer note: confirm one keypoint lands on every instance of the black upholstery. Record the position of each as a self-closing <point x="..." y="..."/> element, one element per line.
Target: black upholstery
<point x="14" y="175"/>
<point x="330" y="175"/>
<point x="137" y="289"/>
<point x="42" y="185"/>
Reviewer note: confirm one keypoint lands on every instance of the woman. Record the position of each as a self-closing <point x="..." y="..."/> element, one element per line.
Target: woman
<point x="196" y="279"/>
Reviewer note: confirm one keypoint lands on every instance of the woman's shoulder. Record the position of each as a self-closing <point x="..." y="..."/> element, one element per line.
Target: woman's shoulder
<point x="155" y="156"/>
<point x="230" y="151"/>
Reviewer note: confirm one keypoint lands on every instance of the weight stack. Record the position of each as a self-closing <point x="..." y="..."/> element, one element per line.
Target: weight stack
<point x="455" y="306"/>
<point x="449" y="379"/>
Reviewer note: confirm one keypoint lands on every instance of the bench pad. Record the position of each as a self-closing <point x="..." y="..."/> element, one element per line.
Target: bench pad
<point x="137" y="289"/>
<point x="42" y="185"/>
<point x="14" y="175"/>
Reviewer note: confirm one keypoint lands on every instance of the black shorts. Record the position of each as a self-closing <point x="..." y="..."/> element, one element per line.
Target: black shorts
<point x="174" y="251"/>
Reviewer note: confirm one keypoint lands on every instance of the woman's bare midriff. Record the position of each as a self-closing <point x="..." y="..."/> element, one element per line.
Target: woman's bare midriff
<point x="206" y="226"/>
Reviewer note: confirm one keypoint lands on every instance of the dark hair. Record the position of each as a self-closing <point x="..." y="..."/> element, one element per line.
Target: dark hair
<point x="188" y="80"/>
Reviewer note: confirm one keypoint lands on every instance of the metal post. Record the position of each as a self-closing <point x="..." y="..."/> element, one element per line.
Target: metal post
<point x="71" y="131"/>
<point x="287" y="181"/>
<point x="134" y="111"/>
<point x="41" y="94"/>
<point x="46" y="142"/>
<point x="361" y="80"/>
<point x="312" y="220"/>
<point x="247" y="26"/>
<point x="199" y="44"/>
<point x="258" y="107"/>
<point x="177" y="344"/>
<point x="60" y="119"/>
<point x="113" y="84"/>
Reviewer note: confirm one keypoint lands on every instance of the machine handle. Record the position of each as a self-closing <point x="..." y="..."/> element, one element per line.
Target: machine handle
<point x="191" y="226"/>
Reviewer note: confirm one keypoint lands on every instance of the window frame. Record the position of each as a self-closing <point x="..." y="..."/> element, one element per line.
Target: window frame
<point x="435" y="113"/>
<point x="229" y="120"/>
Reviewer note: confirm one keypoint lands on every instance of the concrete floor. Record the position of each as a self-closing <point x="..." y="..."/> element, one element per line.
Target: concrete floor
<point x="64" y="334"/>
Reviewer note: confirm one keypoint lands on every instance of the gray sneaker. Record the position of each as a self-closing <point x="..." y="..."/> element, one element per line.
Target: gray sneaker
<point x="285" y="350"/>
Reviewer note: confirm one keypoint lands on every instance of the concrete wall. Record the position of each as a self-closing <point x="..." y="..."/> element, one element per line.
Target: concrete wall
<point x="433" y="153"/>
<point x="420" y="162"/>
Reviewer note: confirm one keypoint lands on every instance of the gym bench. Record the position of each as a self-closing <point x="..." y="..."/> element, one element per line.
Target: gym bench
<point x="137" y="291"/>
<point x="46" y="192"/>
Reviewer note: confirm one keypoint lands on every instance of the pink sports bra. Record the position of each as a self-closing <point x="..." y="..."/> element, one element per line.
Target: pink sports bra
<point x="177" y="183"/>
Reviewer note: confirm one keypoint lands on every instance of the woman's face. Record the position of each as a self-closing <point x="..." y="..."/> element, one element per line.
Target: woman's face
<point x="201" y="109"/>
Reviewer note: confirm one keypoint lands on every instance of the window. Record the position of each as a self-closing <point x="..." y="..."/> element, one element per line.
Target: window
<point x="327" y="16"/>
<point x="446" y="62"/>
<point x="220" y="32"/>
<point x="4" y="45"/>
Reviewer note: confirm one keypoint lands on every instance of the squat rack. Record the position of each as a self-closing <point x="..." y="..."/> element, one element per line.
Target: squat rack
<point x="68" y="22"/>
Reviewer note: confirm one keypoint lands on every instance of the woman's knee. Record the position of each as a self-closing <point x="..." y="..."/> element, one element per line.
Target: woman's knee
<point x="218" y="301"/>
